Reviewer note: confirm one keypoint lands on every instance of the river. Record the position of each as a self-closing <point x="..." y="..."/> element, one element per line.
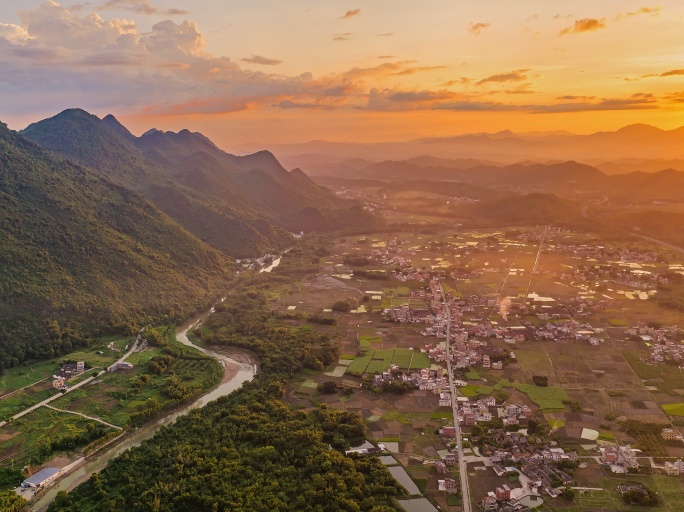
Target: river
<point x="236" y="373"/>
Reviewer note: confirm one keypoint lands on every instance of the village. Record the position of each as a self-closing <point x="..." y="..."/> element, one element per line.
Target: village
<point x="537" y="422"/>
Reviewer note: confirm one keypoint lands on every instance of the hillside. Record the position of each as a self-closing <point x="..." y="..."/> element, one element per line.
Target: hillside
<point x="241" y="205"/>
<point x="78" y="252"/>
<point x="536" y="208"/>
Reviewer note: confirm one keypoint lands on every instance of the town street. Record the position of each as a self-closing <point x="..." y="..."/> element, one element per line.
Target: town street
<point x="462" y="465"/>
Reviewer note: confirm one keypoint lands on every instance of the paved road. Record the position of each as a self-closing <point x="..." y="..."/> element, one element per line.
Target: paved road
<point x="132" y="349"/>
<point x="462" y="464"/>
<point x="84" y="416"/>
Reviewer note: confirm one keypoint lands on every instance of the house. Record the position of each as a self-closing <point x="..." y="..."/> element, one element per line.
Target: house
<point x="125" y="366"/>
<point x="450" y="459"/>
<point x="489" y="503"/>
<point x="671" y="434"/>
<point x="69" y="369"/>
<point x="449" y="431"/>
<point x="503" y="493"/>
<point x="44" y="476"/>
<point x="59" y="382"/>
<point x="450" y="485"/>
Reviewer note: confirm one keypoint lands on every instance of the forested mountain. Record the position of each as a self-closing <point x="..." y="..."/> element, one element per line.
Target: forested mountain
<point x="78" y="253"/>
<point x="241" y="205"/>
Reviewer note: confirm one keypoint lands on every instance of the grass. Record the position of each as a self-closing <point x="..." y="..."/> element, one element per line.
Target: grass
<point x="469" y="391"/>
<point x="420" y="361"/>
<point x="674" y="409"/>
<point x="378" y="361"/>
<point x="402" y="358"/>
<point x="442" y="415"/>
<point x="533" y="360"/>
<point x="23" y="399"/>
<point x="485" y="390"/>
<point x="37" y="429"/>
<point x="556" y="424"/>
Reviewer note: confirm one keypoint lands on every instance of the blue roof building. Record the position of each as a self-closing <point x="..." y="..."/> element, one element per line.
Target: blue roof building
<point x="41" y="478"/>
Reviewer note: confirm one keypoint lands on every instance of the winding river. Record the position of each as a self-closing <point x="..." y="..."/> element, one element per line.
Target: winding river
<point x="236" y="373"/>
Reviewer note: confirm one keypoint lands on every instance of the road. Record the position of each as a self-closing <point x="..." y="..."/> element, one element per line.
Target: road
<point x="462" y="464"/>
<point x="84" y="416"/>
<point x="585" y="208"/>
<point x="55" y="397"/>
<point x="660" y="242"/>
<point x="48" y="400"/>
<point x="135" y="346"/>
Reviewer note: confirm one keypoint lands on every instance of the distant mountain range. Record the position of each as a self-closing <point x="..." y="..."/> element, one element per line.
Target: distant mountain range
<point x="241" y="205"/>
<point x="567" y="178"/>
<point x="637" y="147"/>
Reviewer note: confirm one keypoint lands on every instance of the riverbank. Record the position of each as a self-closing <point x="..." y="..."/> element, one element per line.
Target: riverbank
<point x="239" y="367"/>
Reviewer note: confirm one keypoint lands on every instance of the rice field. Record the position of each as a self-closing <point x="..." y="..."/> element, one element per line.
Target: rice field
<point x="378" y="361"/>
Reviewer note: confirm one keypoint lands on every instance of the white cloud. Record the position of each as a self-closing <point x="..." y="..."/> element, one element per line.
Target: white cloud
<point x="13" y="33"/>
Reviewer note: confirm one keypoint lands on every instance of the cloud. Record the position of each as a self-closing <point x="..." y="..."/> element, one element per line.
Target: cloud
<point x="289" y="104"/>
<point x="343" y="37"/>
<point x="386" y="57"/>
<point x="463" y="80"/>
<point x="521" y="89"/>
<point x="13" y="33"/>
<point x="417" y="69"/>
<point x="351" y="14"/>
<point x="575" y="98"/>
<point x="386" y="34"/>
<point x="262" y="61"/>
<point x="584" y="25"/>
<point x="59" y="57"/>
<point x="140" y="7"/>
<point x="673" y="72"/>
<point x="638" y="12"/>
<point x="476" y="28"/>
<point x="512" y="76"/>
<point x="639" y="101"/>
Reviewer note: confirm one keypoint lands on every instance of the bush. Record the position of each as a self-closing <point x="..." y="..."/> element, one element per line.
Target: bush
<point x="342" y="306"/>
<point x="540" y="380"/>
<point x="327" y="388"/>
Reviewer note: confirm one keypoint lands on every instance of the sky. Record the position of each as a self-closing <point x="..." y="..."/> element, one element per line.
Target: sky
<point x="272" y="71"/>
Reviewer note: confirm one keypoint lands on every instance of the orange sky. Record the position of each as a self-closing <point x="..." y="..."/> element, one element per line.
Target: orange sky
<point x="269" y="71"/>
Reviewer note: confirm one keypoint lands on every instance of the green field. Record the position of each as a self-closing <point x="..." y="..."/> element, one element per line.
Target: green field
<point x="402" y="358"/>
<point x="533" y="360"/>
<point x="420" y="360"/>
<point x="469" y="391"/>
<point x="378" y="361"/>
<point x="25" y="437"/>
<point x="674" y="409"/>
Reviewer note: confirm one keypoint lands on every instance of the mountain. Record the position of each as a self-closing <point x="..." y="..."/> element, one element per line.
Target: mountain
<point x="503" y="148"/>
<point x="79" y="252"/>
<point x="518" y="176"/>
<point x="536" y="208"/>
<point x="241" y="205"/>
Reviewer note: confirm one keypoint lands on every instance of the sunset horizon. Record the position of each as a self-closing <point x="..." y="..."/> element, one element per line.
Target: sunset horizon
<point x="372" y="71"/>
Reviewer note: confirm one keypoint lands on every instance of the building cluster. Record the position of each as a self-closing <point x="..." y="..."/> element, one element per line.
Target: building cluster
<point x="537" y="465"/>
<point x="64" y="372"/>
<point x="425" y="379"/>
<point x="620" y="458"/>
